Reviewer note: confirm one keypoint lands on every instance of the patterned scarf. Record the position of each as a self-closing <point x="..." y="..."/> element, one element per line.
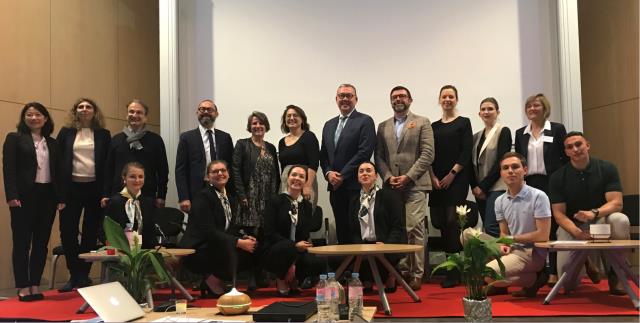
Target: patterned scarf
<point x="293" y="214"/>
<point x="225" y="205"/>
<point x="132" y="208"/>
<point x="133" y="138"/>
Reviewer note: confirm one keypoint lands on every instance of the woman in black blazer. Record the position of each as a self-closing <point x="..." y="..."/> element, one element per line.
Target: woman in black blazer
<point x="256" y="173"/>
<point x="286" y="235"/>
<point x="84" y="144"/>
<point x="31" y="168"/>
<point x="541" y="142"/>
<point x="222" y="248"/>
<point x="132" y="209"/>
<point x="387" y="217"/>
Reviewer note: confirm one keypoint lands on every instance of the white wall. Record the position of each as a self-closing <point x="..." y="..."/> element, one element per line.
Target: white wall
<point x="264" y="55"/>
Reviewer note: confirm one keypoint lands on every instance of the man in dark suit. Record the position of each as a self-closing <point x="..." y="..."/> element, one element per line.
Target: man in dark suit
<point x="196" y="149"/>
<point x="347" y="140"/>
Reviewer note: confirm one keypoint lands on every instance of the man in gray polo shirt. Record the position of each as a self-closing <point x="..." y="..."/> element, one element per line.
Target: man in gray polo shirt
<point x="523" y="214"/>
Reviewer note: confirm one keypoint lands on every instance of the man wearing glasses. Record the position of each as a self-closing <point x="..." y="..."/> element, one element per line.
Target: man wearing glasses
<point x="347" y="140"/>
<point x="196" y="149"/>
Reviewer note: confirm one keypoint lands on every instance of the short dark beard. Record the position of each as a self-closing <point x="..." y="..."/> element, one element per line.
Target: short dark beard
<point x="403" y="109"/>
<point x="206" y="121"/>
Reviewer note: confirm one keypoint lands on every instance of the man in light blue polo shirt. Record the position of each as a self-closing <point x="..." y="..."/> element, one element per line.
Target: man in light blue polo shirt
<point x="523" y="214"/>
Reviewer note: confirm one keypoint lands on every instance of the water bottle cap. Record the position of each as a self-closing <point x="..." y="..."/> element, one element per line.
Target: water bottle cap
<point x="355" y="275"/>
<point x="323" y="276"/>
<point x="332" y="275"/>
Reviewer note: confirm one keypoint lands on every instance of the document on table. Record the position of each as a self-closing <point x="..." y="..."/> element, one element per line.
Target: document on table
<point x="569" y="242"/>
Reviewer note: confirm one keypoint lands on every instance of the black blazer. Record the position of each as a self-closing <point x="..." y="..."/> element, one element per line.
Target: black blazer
<point x="19" y="166"/>
<point x="554" y="156"/>
<point x="115" y="210"/>
<point x="153" y="156"/>
<point x="191" y="161"/>
<point x="356" y="144"/>
<point x="207" y="221"/>
<point x="277" y="221"/>
<point x="245" y="156"/>
<point x="388" y="214"/>
<point x="67" y="137"/>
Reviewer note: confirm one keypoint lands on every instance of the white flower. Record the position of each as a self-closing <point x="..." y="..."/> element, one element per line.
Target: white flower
<point x="462" y="210"/>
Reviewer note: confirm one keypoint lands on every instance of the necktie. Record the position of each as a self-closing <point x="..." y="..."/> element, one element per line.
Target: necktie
<point x="343" y="119"/>
<point x="212" y="146"/>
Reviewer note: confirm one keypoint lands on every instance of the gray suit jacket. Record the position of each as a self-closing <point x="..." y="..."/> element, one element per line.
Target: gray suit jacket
<point x="412" y="155"/>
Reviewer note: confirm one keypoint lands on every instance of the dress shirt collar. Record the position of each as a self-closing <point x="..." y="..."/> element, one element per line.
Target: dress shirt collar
<point x="527" y="129"/>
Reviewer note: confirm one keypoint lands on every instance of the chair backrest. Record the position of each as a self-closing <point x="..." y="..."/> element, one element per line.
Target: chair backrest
<point x="630" y="208"/>
<point x="170" y="220"/>
<point x="316" y="219"/>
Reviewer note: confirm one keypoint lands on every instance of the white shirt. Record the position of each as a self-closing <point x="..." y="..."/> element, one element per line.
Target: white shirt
<point x="83" y="168"/>
<point x="43" y="174"/>
<point x="535" y="153"/>
<point x="207" y="147"/>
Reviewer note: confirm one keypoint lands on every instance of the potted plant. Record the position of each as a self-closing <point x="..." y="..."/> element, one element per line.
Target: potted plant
<point x="138" y="269"/>
<point x="472" y="265"/>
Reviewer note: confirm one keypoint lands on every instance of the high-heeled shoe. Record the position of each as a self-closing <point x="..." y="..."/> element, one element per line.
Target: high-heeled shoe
<point x="282" y="287"/>
<point x="24" y="298"/>
<point x="36" y="296"/>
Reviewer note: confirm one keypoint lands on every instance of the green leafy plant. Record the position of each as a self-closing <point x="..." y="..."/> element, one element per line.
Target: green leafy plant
<point x="472" y="263"/>
<point x="138" y="269"/>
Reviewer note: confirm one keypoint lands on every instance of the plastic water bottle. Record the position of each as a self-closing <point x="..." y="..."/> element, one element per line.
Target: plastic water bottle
<point x="355" y="296"/>
<point x="334" y="299"/>
<point x="323" y="304"/>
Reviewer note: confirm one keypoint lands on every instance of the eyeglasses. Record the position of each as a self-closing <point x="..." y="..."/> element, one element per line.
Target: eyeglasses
<point x="216" y="171"/>
<point x="207" y="110"/>
<point x="345" y="96"/>
<point x="399" y="96"/>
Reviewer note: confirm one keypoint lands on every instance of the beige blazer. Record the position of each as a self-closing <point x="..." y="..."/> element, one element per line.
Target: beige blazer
<point x="488" y="156"/>
<point x="411" y="156"/>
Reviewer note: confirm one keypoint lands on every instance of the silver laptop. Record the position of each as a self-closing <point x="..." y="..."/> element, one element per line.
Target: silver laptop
<point x="111" y="302"/>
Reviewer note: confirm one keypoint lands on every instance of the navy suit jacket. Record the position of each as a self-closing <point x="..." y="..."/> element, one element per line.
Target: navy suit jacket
<point x="191" y="161"/>
<point x="356" y="144"/>
<point x="101" y="140"/>
<point x="554" y="156"/>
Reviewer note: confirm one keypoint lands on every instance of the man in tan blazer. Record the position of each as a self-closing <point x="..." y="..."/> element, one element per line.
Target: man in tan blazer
<point x="404" y="153"/>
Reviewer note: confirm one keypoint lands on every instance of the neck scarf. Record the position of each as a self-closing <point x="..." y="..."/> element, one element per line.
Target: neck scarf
<point x="293" y="214"/>
<point x="133" y="138"/>
<point x="225" y="205"/>
<point x="132" y="208"/>
<point x="365" y="199"/>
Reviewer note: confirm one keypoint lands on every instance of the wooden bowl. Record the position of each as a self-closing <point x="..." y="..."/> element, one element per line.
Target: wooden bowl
<point x="234" y="303"/>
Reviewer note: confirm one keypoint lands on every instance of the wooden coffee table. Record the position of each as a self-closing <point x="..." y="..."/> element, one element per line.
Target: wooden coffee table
<point x="371" y="252"/>
<point x="608" y="249"/>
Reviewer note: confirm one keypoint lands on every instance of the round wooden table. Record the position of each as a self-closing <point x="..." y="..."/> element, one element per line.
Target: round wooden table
<point x="609" y="249"/>
<point x="371" y="252"/>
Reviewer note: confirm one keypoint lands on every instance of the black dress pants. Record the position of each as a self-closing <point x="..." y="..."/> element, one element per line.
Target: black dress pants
<point x="80" y="196"/>
<point x="339" y="200"/>
<point x="215" y="260"/>
<point x="278" y="257"/>
<point x="31" y="228"/>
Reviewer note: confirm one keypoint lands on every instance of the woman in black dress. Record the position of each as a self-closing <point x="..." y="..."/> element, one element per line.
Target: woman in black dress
<point x="541" y="143"/>
<point x="286" y="235"/>
<point x="84" y="144"/>
<point x="299" y="147"/>
<point x="130" y="208"/>
<point x="450" y="173"/>
<point x="31" y="168"/>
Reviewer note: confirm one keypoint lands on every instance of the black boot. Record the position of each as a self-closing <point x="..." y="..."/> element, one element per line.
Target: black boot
<point x="452" y="279"/>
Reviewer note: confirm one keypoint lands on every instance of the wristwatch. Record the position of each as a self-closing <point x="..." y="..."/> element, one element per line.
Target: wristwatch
<point x="453" y="171"/>
<point x="595" y="212"/>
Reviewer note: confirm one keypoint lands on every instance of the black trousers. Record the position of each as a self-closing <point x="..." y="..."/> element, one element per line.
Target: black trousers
<point x="31" y="228"/>
<point x="445" y="219"/>
<point x="214" y="260"/>
<point x="339" y="200"/>
<point x="80" y="196"/>
<point x="280" y="256"/>
<point x="541" y="182"/>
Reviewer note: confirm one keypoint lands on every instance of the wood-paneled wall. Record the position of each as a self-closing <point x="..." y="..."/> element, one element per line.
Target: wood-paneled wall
<point x="54" y="52"/>
<point x="609" y="71"/>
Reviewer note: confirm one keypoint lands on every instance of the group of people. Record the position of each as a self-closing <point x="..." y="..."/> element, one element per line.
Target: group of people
<point x="250" y="206"/>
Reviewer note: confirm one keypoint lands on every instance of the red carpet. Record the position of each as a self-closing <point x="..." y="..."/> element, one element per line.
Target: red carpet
<point x="587" y="300"/>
